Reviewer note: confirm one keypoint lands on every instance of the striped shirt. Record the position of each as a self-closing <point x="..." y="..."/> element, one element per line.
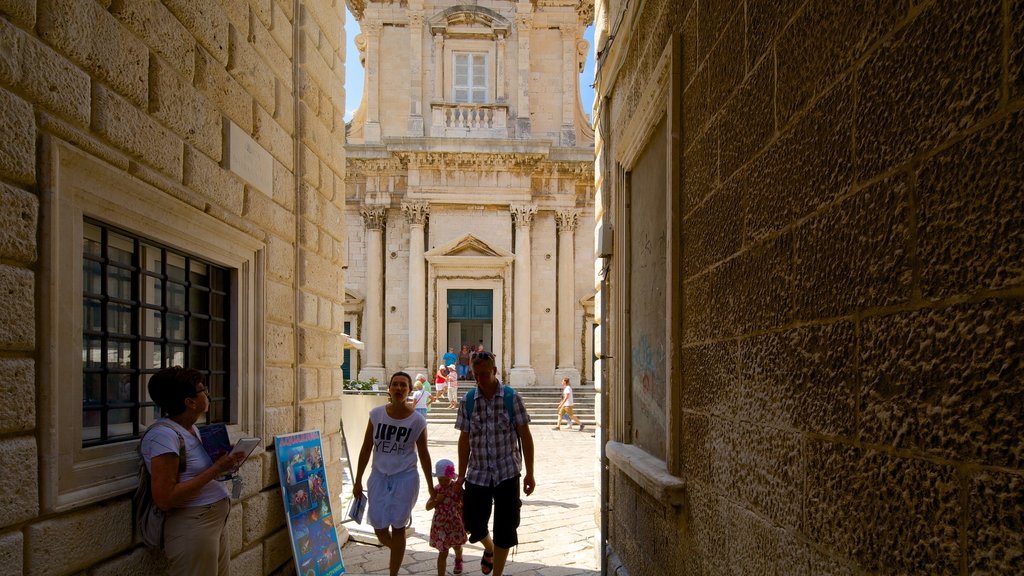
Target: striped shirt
<point x="493" y="442"/>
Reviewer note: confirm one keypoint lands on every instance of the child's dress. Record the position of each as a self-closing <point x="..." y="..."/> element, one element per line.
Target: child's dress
<point x="447" y="529"/>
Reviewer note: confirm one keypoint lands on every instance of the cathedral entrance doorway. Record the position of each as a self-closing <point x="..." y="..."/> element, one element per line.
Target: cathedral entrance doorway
<point x="470" y="314"/>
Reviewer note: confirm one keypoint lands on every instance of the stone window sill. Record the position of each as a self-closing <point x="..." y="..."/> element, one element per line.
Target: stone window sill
<point x="647" y="471"/>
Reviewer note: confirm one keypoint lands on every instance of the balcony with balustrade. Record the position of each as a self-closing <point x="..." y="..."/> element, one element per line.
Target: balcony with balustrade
<point x="469" y="120"/>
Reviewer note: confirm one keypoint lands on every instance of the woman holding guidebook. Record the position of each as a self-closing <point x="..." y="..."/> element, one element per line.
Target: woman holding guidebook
<point x="196" y="507"/>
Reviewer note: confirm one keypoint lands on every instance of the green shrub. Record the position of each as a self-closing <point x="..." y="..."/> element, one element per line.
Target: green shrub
<point x="359" y="384"/>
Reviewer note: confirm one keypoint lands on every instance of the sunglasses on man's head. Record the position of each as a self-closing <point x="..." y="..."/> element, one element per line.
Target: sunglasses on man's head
<point x="482" y="356"/>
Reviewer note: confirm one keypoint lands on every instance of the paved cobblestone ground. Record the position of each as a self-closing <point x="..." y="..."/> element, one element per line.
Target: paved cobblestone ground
<point x="559" y="525"/>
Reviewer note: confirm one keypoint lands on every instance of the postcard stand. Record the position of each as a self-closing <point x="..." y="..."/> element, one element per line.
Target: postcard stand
<point x="307" y="504"/>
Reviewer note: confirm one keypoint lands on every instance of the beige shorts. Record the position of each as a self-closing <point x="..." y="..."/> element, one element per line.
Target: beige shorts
<point x="565" y="410"/>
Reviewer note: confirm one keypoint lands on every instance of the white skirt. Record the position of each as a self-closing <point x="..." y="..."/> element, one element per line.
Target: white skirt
<point x="391" y="498"/>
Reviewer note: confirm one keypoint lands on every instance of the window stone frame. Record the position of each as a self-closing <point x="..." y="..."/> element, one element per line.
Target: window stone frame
<point x="76" y="185"/>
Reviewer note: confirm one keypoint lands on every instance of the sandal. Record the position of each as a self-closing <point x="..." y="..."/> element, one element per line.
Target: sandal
<point x="458" y="566"/>
<point x="486" y="563"/>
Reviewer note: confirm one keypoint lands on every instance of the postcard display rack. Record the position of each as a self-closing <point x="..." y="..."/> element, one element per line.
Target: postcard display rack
<point x="308" y="505"/>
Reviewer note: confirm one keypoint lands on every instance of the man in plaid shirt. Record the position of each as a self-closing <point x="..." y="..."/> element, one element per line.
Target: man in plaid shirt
<point x="489" y="463"/>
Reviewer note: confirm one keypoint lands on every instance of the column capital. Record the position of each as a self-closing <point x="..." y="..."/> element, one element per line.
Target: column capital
<point x="522" y="214"/>
<point x="524" y="22"/>
<point x="372" y="28"/>
<point x="374" y="217"/>
<point x="567" y="220"/>
<point x="415" y="20"/>
<point x="416" y="212"/>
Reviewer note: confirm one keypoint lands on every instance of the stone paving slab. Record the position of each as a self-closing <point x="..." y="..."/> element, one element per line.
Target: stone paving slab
<point x="559" y="521"/>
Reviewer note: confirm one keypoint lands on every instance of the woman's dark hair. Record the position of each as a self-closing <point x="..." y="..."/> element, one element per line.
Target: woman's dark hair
<point x="171" y="386"/>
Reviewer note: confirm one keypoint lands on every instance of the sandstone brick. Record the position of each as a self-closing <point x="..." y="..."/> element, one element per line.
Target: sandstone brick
<point x="17" y="139"/>
<point x="131" y="129"/>
<point x="279" y="344"/>
<point x="88" y="35"/>
<point x="277" y="550"/>
<point x="184" y="110"/>
<point x="280" y="28"/>
<point x="317" y="135"/>
<point x="936" y="78"/>
<point x="713" y="17"/>
<point x="70" y="542"/>
<point x="84" y="139"/>
<point x="263" y="514"/>
<point x="18" y="224"/>
<point x="855" y="255"/>
<point x="714" y="230"/>
<point x="17" y="316"/>
<point x="261" y="9"/>
<point x="760" y="466"/>
<point x="207" y="22"/>
<point x="759" y="547"/>
<point x="284" y="186"/>
<point x="727" y="63"/>
<point x="700" y="169"/>
<point x="804" y="378"/>
<point x="280" y="385"/>
<point x="1016" y="57"/>
<point x="215" y="183"/>
<point x="22" y="12"/>
<point x="280" y="421"/>
<point x="17" y="395"/>
<point x="710" y="377"/>
<point x="19" y="497"/>
<point x="140" y="561"/>
<point x="286" y="7"/>
<point x="885" y="512"/>
<point x="280" y="302"/>
<point x="259" y="208"/>
<point x="765" y="20"/>
<point x="311" y="416"/>
<point x="806" y="168"/>
<point x="11" y="555"/>
<point x="970" y="213"/>
<point x="708" y="522"/>
<point x="248" y="562"/>
<point x="280" y="259"/>
<point x="273" y="137"/>
<point x="697" y="447"/>
<point x="151" y="21"/>
<point x="994" y="541"/>
<point x="945" y="382"/>
<point x="231" y="99"/>
<point x="252" y="474"/>
<point x="237" y="14"/>
<point x="46" y="77"/>
<point x="326" y="18"/>
<point x="273" y="54"/>
<point x="309" y="384"/>
<point x="234" y="528"/>
<point x="284" y="109"/>
<point x="753" y="291"/>
<point x="747" y="121"/>
<point x="250" y="70"/>
<point x="697" y="300"/>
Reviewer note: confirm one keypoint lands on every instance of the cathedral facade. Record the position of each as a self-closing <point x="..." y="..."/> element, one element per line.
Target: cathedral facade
<point x="469" y="189"/>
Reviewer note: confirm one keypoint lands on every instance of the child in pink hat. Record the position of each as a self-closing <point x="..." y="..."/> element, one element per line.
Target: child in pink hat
<point x="447" y="530"/>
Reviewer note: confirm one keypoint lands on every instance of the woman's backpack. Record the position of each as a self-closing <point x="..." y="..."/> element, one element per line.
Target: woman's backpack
<point x="149" y="519"/>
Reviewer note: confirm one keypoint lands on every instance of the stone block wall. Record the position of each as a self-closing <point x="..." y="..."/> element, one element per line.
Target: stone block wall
<point x="853" y="294"/>
<point x="147" y="87"/>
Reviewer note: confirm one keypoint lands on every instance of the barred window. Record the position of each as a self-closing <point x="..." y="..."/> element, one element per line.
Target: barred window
<point x="470" y="78"/>
<point x="146" y="307"/>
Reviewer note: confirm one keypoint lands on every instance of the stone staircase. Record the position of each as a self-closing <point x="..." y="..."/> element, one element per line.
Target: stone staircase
<point x="541" y="402"/>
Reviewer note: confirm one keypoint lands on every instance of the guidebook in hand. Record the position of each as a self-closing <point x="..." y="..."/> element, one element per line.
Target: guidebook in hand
<point x="217" y="443"/>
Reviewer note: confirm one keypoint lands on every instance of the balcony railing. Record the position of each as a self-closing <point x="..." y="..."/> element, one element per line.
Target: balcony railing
<point x="469" y="120"/>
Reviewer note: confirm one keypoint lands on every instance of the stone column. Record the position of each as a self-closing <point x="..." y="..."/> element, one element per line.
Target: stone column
<point x="522" y="373"/>
<point x="374" y="217"/>
<point x="416" y="213"/>
<point x="415" y="125"/>
<point x="499" y="73"/>
<point x="438" y="66"/>
<point x="524" y="23"/>
<point x="566" y="220"/>
<point x="569" y="73"/>
<point x="372" y="32"/>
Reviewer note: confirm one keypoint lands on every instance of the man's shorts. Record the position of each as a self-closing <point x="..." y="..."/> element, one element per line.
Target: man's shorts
<point x="565" y="410"/>
<point x="477" y="501"/>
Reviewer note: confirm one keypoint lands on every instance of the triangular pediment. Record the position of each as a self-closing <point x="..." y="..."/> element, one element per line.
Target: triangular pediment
<point x="469" y="245"/>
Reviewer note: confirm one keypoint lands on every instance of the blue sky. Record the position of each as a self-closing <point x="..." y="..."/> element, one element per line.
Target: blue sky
<point x="354" y="70"/>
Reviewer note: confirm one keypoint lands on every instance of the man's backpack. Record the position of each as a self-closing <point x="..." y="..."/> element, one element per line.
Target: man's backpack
<point x="149" y="519"/>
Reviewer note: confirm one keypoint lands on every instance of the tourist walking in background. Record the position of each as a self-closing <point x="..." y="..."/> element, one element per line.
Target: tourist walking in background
<point x="565" y="407"/>
<point x="463" y="364"/>
<point x="453" y="387"/>
<point x="449" y="357"/>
